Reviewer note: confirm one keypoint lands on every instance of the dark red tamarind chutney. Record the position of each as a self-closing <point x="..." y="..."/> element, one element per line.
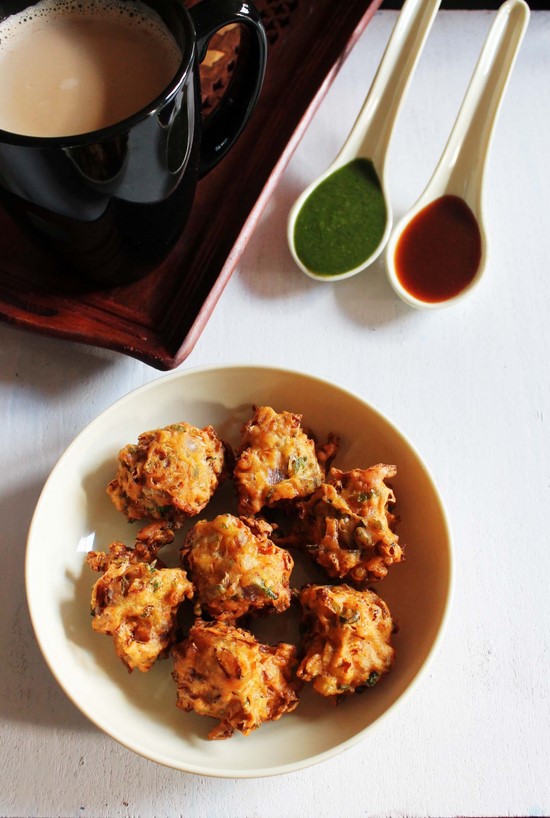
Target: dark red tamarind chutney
<point x="438" y="254"/>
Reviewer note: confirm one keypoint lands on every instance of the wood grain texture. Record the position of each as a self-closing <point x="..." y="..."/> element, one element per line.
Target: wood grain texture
<point x="159" y="318"/>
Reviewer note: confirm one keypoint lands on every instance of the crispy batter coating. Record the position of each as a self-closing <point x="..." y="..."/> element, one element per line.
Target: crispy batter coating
<point x="346" y="524"/>
<point x="236" y="568"/>
<point x="224" y="672"/>
<point x="136" y="599"/>
<point x="277" y="461"/>
<point x="347" y="639"/>
<point x="170" y="474"/>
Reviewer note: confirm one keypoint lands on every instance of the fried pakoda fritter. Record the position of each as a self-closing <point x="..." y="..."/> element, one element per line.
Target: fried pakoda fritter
<point x="222" y="671"/>
<point x="170" y="474"/>
<point x="346" y="638"/>
<point x="277" y="461"/>
<point x="235" y="568"/>
<point x="136" y="599"/>
<point x="346" y="525"/>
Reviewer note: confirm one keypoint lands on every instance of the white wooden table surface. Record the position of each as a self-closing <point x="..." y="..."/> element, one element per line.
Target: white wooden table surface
<point x="469" y="385"/>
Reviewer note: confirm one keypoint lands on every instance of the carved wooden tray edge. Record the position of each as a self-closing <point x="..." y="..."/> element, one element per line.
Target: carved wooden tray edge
<point x="30" y="311"/>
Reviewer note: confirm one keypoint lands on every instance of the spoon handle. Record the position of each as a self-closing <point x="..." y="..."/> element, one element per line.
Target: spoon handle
<point x="461" y="167"/>
<point x="371" y="133"/>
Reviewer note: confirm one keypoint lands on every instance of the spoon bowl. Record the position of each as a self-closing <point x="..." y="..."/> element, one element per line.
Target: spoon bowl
<point x="460" y="171"/>
<point x="371" y="134"/>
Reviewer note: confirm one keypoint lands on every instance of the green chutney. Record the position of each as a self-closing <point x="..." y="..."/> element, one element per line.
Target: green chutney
<point x="342" y="221"/>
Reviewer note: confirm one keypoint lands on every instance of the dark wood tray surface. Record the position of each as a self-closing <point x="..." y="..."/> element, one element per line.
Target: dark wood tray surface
<point x="159" y="319"/>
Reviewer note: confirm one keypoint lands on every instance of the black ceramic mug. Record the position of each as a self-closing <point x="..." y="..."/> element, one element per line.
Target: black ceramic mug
<point x="111" y="203"/>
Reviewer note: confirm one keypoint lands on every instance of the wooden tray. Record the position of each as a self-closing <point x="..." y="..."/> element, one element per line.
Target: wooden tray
<point x="159" y="319"/>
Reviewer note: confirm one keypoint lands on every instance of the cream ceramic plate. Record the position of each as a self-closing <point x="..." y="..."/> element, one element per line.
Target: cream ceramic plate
<point x="75" y="515"/>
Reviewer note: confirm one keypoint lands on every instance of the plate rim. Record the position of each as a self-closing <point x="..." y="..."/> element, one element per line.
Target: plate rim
<point x="280" y="769"/>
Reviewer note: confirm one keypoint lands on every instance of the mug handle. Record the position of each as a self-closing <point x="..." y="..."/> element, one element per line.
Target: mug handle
<point x="224" y="125"/>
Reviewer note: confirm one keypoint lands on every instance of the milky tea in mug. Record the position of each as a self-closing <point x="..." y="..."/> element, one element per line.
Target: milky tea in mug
<point x="101" y="136"/>
<point x="68" y="69"/>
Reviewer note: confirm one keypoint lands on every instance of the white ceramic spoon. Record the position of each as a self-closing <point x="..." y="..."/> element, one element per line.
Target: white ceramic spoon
<point x="461" y="168"/>
<point x="371" y="134"/>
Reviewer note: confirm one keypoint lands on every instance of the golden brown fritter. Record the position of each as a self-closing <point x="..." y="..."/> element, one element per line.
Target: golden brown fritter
<point x="346" y="638"/>
<point x="222" y="671"/>
<point x="136" y="599"/>
<point x="235" y="567"/>
<point x="170" y="474"/>
<point x="277" y="461"/>
<point x="346" y="525"/>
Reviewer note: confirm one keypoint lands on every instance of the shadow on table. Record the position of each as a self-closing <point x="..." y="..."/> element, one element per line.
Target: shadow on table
<point x="366" y="299"/>
<point x="49" y="366"/>
<point x="276" y="276"/>
<point x="43" y="370"/>
<point x="29" y="691"/>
